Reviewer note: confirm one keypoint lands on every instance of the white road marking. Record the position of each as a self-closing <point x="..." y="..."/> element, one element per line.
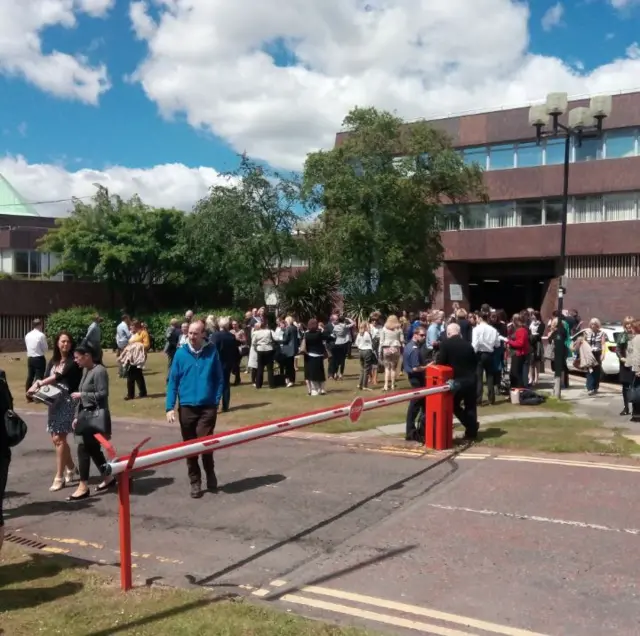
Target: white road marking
<point x="261" y="592"/>
<point x="278" y="583"/>
<point x="382" y="603"/>
<point x="473" y="456"/>
<point x="520" y="517"/>
<point x="385" y="619"/>
<point x="568" y="462"/>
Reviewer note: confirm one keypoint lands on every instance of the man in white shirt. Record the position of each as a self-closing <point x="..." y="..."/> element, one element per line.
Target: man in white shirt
<point x="485" y="339"/>
<point x="36" y="343"/>
<point x="123" y="333"/>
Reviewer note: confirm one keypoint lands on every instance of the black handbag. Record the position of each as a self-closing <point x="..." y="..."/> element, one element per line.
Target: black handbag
<point x="16" y="428"/>
<point x="91" y="421"/>
<point x="634" y="392"/>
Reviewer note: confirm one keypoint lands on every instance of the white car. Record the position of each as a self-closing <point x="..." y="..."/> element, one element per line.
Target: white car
<point x="610" y="361"/>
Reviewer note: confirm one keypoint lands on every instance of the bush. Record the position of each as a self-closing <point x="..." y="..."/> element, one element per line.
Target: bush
<point x="313" y="293"/>
<point x="77" y="320"/>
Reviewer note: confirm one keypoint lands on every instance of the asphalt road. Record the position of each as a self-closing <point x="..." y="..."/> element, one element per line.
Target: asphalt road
<point x="452" y="546"/>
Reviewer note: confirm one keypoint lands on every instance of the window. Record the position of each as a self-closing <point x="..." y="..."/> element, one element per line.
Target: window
<point x="529" y="155"/>
<point x="589" y="150"/>
<point x="529" y="212"/>
<point x="554" y="152"/>
<point x="475" y="155"/>
<point x="620" y="207"/>
<point x="474" y="217"/>
<point x="35" y="264"/>
<point x="587" y="210"/>
<point x="502" y="214"/>
<point x="553" y="211"/>
<point x="620" y="143"/>
<point x="21" y="263"/>
<point x="501" y="157"/>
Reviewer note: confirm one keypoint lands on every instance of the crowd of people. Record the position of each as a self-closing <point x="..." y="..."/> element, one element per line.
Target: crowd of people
<point x="487" y="352"/>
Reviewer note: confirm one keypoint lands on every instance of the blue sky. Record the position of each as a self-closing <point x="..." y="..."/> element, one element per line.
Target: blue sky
<point x="232" y="82"/>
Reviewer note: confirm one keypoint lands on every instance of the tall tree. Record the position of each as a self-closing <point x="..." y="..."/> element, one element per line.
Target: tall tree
<point x="244" y="230"/>
<point x="382" y="191"/>
<point x="125" y="243"/>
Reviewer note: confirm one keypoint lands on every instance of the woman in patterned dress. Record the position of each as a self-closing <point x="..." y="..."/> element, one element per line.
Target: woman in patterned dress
<point x="65" y="374"/>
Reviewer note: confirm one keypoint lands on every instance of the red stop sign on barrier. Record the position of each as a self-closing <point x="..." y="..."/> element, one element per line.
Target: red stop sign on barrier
<point x="355" y="410"/>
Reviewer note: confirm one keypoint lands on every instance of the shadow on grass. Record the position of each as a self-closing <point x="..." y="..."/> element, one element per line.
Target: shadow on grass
<point x="251" y="483"/>
<point x="174" y="611"/>
<point x="249" y="405"/>
<point x="37" y="567"/>
<point x="491" y="433"/>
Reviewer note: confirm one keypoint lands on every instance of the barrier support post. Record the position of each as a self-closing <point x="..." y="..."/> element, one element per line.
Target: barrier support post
<point x="124" y="519"/>
<point x="439" y="410"/>
<point x="124" y="515"/>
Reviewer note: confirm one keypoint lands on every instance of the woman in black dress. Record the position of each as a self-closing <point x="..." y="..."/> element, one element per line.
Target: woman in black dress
<point x="315" y="352"/>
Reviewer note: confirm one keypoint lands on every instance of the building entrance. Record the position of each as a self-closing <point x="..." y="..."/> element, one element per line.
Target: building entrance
<point x="509" y="286"/>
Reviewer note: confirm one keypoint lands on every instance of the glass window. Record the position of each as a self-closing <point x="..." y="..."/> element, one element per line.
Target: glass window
<point x="554" y="151"/>
<point x="529" y="212"/>
<point x="620" y="143"/>
<point x="502" y="157"/>
<point x="475" y="217"/>
<point x="475" y="155"/>
<point x="35" y="261"/>
<point x="529" y="155"/>
<point x="502" y="214"/>
<point x="552" y="211"/>
<point x="587" y="210"/>
<point x="589" y="150"/>
<point x="21" y="263"/>
<point x="620" y="207"/>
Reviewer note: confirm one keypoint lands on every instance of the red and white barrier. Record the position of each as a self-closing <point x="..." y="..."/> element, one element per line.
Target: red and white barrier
<point x="182" y="450"/>
<point x="438" y="436"/>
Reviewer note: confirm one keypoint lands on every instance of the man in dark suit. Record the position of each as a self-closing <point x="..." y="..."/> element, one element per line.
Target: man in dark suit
<point x="457" y="353"/>
<point x="229" y="352"/>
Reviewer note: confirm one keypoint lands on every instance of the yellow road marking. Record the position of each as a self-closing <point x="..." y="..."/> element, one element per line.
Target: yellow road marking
<point x="385" y="619"/>
<point x="473" y="623"/>
<point x="568" y="462"/>
<point x="53" y="550"/>
<point x="261" y="592"/>
<point x="78" y="542"/>
<point x="278" y="583"/>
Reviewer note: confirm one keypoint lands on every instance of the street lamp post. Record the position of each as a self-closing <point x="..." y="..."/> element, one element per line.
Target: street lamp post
<point x="583" y="123"/>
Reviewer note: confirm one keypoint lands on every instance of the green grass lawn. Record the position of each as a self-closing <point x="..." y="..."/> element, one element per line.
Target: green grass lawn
<point x="557" y="435"/>
<point x="51" y="594"/>
<point x="248" y="405"/>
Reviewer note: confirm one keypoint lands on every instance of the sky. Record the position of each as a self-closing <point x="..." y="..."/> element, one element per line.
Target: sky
<point x="158" y="97"/>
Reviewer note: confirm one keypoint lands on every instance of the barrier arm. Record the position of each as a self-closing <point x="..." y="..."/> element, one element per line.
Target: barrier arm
<point x="139" y="459"/>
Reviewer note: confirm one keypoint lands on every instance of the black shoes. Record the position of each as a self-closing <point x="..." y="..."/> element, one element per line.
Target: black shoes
<point x="196" y="490"/>
<point x="212" y="486"/>
<point x="212" y="483"/>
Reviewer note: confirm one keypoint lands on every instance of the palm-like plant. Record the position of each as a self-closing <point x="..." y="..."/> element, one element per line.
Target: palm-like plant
<point x="313" y="293"/>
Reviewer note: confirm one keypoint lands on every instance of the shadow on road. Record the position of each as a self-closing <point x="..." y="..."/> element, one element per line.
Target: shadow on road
<point x="453" y="468"/>
<point x="41" y="508"/>
<point x="251" y="483"/>
<point x="148" y="485"/>
<point x="13" y="493"/>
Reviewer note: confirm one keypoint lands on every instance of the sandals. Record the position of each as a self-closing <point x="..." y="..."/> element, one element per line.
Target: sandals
<point x="58" y="484"/>
<point x="71" y="474"/>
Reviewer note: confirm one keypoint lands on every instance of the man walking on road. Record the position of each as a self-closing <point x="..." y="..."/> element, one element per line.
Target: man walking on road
<point x="196" y="380"/>
<point x="461" y="357"/>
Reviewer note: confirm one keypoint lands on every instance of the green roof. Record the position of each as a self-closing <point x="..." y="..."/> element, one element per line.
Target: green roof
<point x="11" y="203"/>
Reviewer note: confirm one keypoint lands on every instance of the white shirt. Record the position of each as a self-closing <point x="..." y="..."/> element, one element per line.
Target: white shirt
<point x="485" y="338"/>
<point x="36" y="343"/>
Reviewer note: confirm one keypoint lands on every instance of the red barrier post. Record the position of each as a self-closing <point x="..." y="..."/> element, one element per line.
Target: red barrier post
<point x="439" y="410"/>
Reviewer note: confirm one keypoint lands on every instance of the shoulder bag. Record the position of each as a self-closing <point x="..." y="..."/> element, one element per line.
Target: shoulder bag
<point x="93" y="421"/>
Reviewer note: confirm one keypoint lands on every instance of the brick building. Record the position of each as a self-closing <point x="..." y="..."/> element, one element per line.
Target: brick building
<point x="506" y="253"/>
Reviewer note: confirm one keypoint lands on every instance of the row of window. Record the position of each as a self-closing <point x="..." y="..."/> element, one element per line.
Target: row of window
<point x="28" y="264"/>
<point x="613" y="144"/>
<point x="593" y="209"/>
<point x="603" y="266"/>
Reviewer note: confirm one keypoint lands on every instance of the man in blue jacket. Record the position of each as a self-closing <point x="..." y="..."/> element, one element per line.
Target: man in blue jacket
<point x="196" y="380"/>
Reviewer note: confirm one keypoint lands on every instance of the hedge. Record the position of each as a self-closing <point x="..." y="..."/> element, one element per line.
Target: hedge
<point x="77" y="320"/>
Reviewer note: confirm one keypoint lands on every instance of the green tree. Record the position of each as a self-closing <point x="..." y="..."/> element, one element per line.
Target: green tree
<point x="126" y="244"/>
<point x="382" y="192"/>
<point x="243" y="231"/>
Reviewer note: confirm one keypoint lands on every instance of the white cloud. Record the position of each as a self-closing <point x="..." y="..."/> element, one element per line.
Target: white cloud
<point x="209" y="60"/>
<point x="96" y="8"/>
<point x="21" y="54"/>
<point x="553" y="16"/>
<point x="168" y="185"/>
<point x="623" y="4"/>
